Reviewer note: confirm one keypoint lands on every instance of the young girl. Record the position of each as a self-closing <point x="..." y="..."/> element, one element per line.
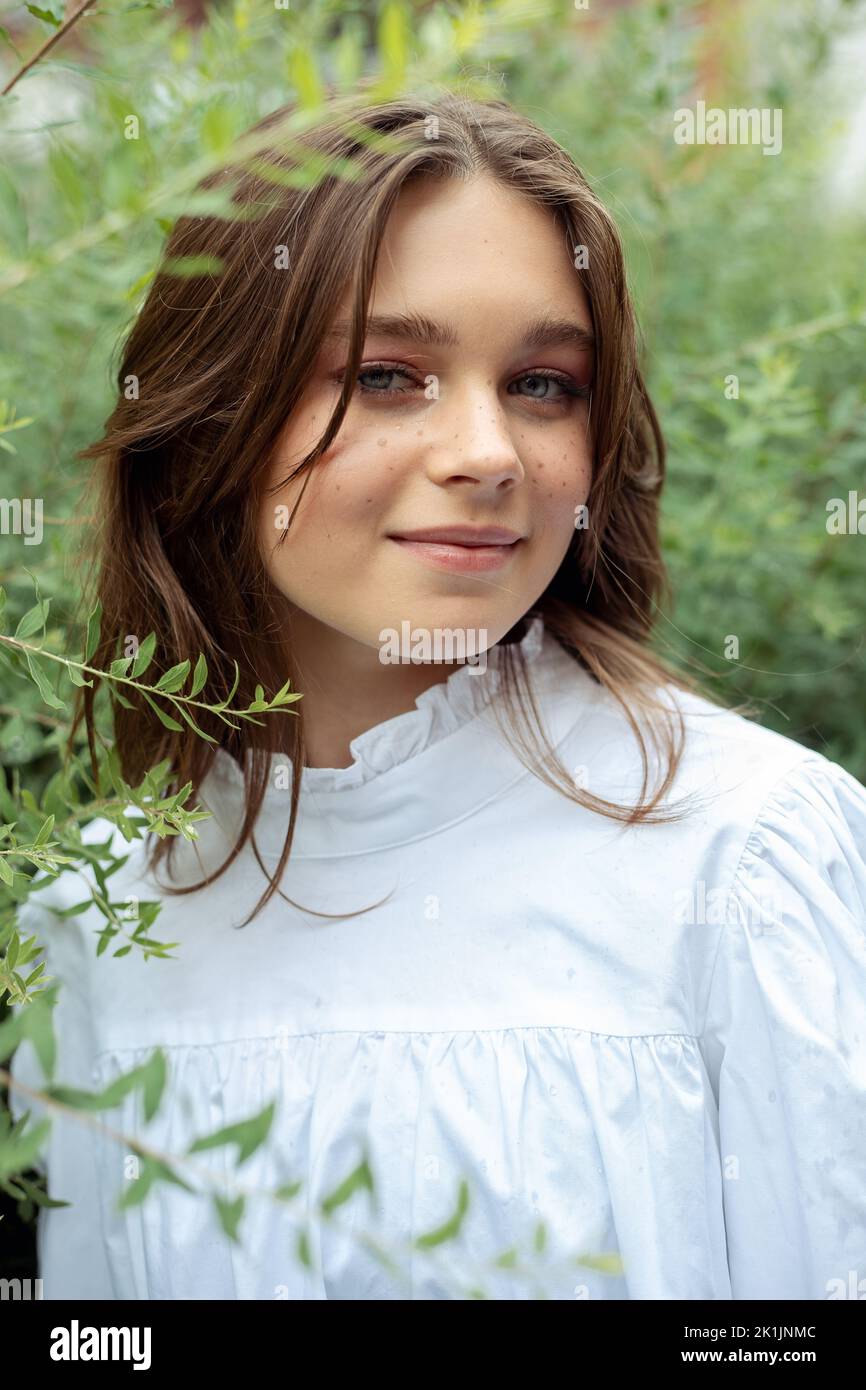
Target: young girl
<point x="547" y="954"/>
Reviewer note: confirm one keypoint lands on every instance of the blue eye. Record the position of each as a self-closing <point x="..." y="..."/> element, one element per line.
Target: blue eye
<point x="541" y="382"/>
<point x="548" y="388"/>
<point x="381" y="370"/>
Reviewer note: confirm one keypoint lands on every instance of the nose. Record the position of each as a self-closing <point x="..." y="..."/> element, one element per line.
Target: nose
<point x="473" y="441"/>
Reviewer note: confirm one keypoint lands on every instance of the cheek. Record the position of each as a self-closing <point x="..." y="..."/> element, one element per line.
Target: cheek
<point x="561" y="475"/>
<point x="347" y="491"/>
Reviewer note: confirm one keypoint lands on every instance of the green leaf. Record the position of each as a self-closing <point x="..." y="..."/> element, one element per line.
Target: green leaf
<point x="48" y="17"/>
<point x="94" y="623"/>
<point x="152" y="1170"/>
<point x="144" y="656"/>
<point x="605" y="1264"/>
<point x="283" y="697"/>
<point x="287" y="1191"/>
<point x="185" y="267"/>
<point x="230" y="1213"/>
<point x="34" y="620"/>
<point x="155" y="1073"/>
<point x="39" y="1028"/>
<point x="74" y="910"/>
<point x="42" y="683"/>
<point x="360" y="1178"/>
<point x="20" y="1153"/>
<point x="394" y="39"/>
<point x="164" y="719"/>
<point x="44" y="831"/>
<point x="248" y="1135"/>
<point x="185" y="714"/>
<point x="304" y="76"/>
<point x="173" y="678"/>
<point x="450" y="1228"/>
<point x="227" y="701"/>
<point x="77" y="678"/>
<point x="199" y="677"/>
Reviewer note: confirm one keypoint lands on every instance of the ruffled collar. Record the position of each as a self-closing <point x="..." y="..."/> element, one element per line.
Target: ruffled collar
<point x="438" y="712"/>
<point x="409" y="774"/>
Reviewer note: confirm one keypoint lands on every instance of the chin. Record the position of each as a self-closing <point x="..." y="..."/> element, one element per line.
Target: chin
<point x="466" y="622"/>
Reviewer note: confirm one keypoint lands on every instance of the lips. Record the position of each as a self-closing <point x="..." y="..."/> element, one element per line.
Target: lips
<point x="462" y="535"/>
<point x="461" y="549"/>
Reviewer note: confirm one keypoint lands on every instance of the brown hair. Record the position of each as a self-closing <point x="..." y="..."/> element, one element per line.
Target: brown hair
<point x="222" y="361"/>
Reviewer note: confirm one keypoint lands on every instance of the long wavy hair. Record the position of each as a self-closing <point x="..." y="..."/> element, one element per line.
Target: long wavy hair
<point x="221" y="360"/>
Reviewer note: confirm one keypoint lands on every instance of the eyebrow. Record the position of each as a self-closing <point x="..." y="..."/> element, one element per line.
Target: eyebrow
<point x="543" y="332"/>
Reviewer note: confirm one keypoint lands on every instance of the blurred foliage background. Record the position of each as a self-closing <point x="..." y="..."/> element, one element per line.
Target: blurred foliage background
<point x="742" y="264"/>
<point x="746" y="268"/>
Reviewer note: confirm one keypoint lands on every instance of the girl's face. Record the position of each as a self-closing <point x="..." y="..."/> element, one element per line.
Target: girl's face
<point x="448" y="498"/>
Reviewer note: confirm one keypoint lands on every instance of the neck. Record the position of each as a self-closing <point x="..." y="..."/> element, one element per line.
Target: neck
<point x="347" y="689"/>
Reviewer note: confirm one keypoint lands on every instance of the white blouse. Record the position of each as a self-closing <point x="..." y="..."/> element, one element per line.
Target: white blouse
<point x="643" y="1048"/>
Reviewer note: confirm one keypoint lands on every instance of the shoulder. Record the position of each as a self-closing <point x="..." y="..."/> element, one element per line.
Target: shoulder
<point x="786" y="809"/>
<point x="793" y="895"/>
<point x="774" y="783"/>
<point x="724" y="758"/>
<point x="742" y="794"/>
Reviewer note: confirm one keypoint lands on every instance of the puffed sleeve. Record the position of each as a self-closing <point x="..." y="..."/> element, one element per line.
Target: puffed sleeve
<point x="71" y="1255"/>
<point x="785" y="1043"/>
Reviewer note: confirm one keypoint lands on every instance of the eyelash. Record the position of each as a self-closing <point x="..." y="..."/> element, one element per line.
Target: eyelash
<point x="560" y="378"/>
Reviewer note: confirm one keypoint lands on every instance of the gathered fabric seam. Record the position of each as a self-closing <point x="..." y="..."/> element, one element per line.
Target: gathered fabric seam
<point x="394" y="1033"/>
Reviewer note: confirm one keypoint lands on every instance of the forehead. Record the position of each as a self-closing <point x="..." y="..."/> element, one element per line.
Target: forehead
<point x="477" y="247"/>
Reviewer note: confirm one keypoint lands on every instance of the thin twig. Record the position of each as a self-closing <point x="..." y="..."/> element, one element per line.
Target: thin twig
<point x="48" y="44"/>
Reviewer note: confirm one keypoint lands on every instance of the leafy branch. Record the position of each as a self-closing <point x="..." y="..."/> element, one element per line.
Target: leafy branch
<point x="39" y="841"/>
<point x="126" y="671"/>
<point x="60" y="32"/>
<point x="452" y="35"/>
